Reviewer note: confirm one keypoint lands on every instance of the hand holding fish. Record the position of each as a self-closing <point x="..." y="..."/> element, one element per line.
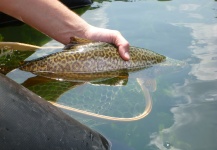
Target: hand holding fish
<point x="60" y="23"/>
<point x="109" y="36"/>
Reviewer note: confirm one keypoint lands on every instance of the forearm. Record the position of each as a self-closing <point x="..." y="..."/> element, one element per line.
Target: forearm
<point x="49" y="16"/>
<point x="57" y="21"/>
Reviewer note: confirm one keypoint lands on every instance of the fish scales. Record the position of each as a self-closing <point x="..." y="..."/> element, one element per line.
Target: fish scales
<point x="93" y="58"/>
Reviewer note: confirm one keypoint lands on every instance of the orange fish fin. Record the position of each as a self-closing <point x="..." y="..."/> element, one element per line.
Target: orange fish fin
<point x="78" y="40"/>
<point x="74" y="41"/>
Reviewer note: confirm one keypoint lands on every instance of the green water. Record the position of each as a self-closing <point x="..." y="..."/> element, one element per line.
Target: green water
<point x="184" y="101"/>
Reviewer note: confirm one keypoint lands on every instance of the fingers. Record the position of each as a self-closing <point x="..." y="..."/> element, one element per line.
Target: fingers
<point x="123" y="45"/>
<point x="124" y="52"/>
<point x="110" y="36"/>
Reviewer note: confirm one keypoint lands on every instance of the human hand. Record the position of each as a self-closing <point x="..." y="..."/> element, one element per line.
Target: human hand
<point x="109" y="36"/>
<point x="62" y="24"/>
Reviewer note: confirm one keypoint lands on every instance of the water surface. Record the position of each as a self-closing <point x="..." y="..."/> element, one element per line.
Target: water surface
<point x="184" y="101"/>
<point x="184" y="104"/>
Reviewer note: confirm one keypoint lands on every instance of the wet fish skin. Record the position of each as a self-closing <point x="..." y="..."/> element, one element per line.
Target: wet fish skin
<point x="93" y="57"/>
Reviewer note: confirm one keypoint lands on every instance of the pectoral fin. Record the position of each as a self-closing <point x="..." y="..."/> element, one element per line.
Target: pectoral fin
<point x="116" y="81"/>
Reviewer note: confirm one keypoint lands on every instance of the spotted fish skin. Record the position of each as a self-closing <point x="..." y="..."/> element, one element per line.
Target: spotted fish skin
<point x="94" y="57"/>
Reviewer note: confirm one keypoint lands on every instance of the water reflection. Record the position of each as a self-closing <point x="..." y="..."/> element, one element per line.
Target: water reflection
<point x="97" y="98"/>
<point x="194" y="124"/>
<point x="204" y="48"/>
<point x="184" y="103"/>
<point x="100" y="94"/>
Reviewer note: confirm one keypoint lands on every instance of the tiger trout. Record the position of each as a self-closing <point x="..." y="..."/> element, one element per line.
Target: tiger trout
<point x="82" y="56"/>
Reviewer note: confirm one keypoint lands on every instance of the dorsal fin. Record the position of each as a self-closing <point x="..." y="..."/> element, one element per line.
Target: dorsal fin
<point x="74" y="41"/>
<point x="78" y="40"/>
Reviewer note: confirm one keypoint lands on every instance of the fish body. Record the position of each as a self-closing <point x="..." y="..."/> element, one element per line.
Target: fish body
<point x="92" y="57"/>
